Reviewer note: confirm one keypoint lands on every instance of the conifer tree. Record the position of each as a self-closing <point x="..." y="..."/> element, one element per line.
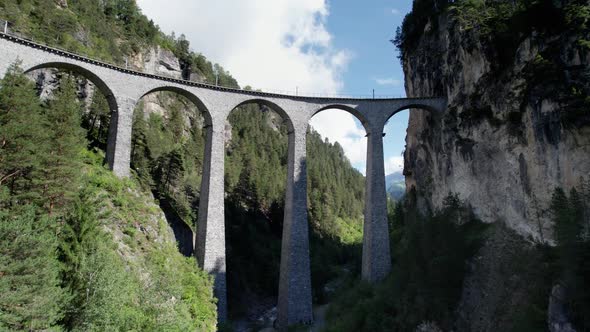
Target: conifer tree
<point x="23" y="136"/>
<point x="80" y="237"/>
<point x="32" y="298"/>
<point x="67" y="141"/>
<point x="140" y="153"/>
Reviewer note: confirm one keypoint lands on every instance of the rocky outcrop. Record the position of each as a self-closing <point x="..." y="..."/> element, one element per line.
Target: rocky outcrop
<point x="511" y="134"/>
<point x="158" y="61"/>
<point x="62" y="3"/>
<point x="47" y="81"/>
<point x="557" y="317"/>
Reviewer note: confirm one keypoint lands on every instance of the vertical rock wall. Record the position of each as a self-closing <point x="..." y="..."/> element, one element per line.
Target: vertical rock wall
<point x="510" y="135"/>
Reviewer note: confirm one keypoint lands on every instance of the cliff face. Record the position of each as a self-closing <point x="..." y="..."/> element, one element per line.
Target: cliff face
<point x="517" y="123"/>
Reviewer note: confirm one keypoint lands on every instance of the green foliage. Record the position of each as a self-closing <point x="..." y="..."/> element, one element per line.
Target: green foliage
<point x="41" y="143"/>
<point x="255" y="173"/>
<point x="185" y="292"/>
<point x="577" y="15"/>
<point x="256" y="158"/>
<point x="66" y="271"/>
<point x="484" y="17"/>
<point x="413" y="27"/>
<point x="167" y="153"/>
<point x="96" y="121"/>
<point x="429" y="257"/>
<point x="23" y="137"/>
<point x="148" y="287"/>
<point x="66" y="142"/>
<point x="571" y="216"/>
<point x="501" y="24"/>
<point x="108" y="30"/>
<point x="32" y="298"/>
<point x="335" y="188"/>
<point x="105" y="293"/>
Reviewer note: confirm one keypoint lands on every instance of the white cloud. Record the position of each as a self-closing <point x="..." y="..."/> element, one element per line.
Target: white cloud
<point x="268" y="44"/>
<point x="342" y="127"/>
<point x="395" y="11"/>
<point x="394" y="164"/>
<point x="388" y="81"/>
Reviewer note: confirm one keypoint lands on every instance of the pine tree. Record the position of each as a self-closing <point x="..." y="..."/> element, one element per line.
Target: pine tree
<point x="80" y="238"/>
<point x="140" y="152"/>
<point x="175" y="123"/>
<point x="23" y="136"/>
<point x="62" y="169"/>
<point x="32" y="298"/>
<point x="174" y="168"/>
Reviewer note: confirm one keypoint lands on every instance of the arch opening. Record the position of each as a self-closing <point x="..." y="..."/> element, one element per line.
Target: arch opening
<point x="336" y="161"/>
<point x="414" y="107"/>
<point x="167" y="156"/>
<point x="356" y="114"/>
<point x="96" y="98"/>
<point x="256" y="157"/>
<point x="79" y="71"/>
<point x="400" y="149"/>
<point x="265" y="106"/>
<point x="204" y="112"/>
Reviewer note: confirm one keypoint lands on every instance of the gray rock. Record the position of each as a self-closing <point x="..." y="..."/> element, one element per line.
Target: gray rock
<point x="499" y="150"/>
<point x="557" y="318"/>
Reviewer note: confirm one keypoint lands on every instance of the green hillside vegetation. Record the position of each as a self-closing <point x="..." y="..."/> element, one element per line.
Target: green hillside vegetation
<point x="82" y="250"/>
<point x="109" y="30"/>
<point x="428" y="255"/>
<point x="167" y="153"/>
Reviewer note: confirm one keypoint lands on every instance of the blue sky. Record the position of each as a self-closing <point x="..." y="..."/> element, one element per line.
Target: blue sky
<point x="366" y="30"/>
<point x="315" y="46"/>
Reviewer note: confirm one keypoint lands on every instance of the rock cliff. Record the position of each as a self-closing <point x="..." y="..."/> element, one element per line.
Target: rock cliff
<point x="518" y="122"/>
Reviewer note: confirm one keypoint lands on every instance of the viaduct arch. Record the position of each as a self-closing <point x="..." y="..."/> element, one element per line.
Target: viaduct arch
<point x="124" y="88"/>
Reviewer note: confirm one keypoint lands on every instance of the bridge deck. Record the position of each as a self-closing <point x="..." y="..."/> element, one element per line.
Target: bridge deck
<point x="67" y="54"/>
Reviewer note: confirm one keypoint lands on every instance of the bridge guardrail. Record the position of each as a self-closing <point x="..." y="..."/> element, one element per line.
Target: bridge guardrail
<point x="8" y="31"/>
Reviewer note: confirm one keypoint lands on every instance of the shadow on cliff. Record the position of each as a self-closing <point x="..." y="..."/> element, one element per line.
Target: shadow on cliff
<point x="183" y="234"/>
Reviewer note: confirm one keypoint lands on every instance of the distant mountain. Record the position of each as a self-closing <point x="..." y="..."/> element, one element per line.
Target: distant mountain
<point x="396" y="185"/>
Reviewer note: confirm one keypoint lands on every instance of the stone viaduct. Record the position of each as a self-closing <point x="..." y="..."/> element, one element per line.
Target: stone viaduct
<point x="124" y="88"/>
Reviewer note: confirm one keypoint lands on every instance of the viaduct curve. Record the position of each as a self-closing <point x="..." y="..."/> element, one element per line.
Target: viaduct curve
<point x="124" y="88"/>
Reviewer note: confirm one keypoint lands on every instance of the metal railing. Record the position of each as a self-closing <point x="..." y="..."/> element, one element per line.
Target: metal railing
<point x="8" y="29"/>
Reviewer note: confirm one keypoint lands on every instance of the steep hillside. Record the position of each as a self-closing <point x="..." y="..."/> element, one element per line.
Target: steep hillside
<point x="112" y="30"/>
<point x="82" y="250"/>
